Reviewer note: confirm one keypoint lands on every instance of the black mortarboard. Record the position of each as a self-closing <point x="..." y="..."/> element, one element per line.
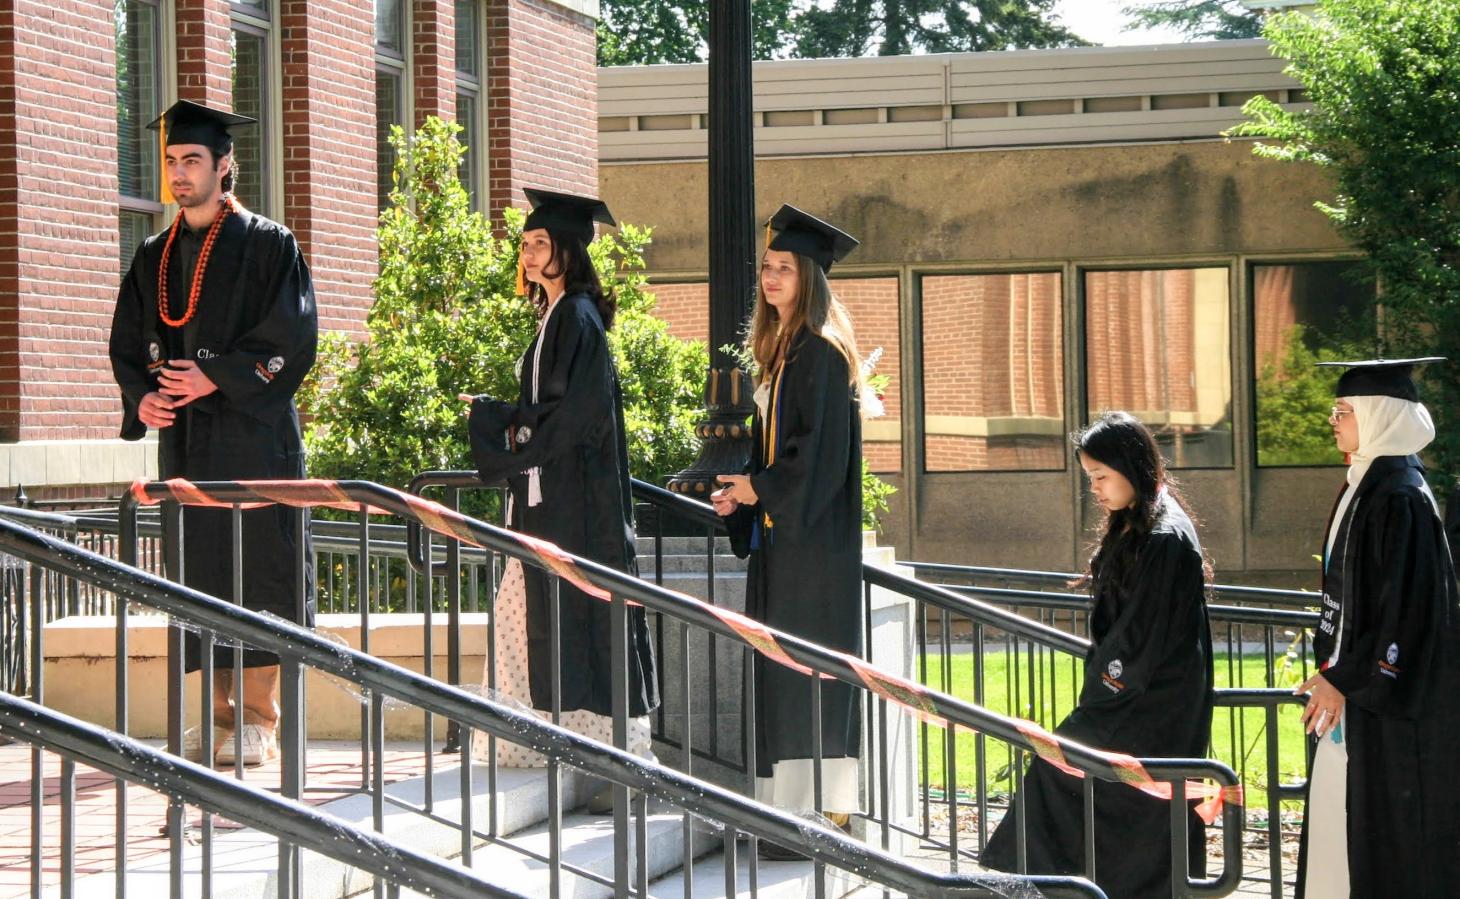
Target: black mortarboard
<point x="186" y="122"/>
<point x="1380" y="377"/>
<point x="803" y="233"/>
<point x="565" y="213"/>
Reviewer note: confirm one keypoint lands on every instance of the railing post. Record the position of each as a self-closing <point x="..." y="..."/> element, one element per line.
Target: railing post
<point x="127" y="551"/>
<point x="292" y="736"/>
<point x="1180" y="865"/>
<point x="619" y="685"/>
<point x="176" y="817"/>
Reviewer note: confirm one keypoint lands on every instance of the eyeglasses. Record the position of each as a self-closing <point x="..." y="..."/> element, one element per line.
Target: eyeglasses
<point x="1335" y="414"/>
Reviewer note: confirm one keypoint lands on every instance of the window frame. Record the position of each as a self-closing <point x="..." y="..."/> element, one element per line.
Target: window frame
<point x="162" y="75"/>
<point x="1043" y="267"/>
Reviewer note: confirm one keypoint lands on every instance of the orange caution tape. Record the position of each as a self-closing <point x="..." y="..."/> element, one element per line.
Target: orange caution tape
<point x="915" y="697"/>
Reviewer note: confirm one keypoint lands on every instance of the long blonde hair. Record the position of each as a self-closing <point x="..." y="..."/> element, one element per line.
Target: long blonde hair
<point x="816" y="309"/>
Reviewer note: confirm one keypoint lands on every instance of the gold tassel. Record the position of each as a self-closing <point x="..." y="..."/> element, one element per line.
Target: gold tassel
<point x="167" y="196"/>
<point x="767" y="234"/>
<point x="521" y="276"/>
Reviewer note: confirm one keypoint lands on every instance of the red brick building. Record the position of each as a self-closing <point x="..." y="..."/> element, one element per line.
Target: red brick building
<point x="80" y="79"/>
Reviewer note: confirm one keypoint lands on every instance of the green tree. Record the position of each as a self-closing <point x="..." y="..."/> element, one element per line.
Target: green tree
<point x="1293" y="396"/>
<point x="899" y="27"/>
<point x="447" y="320"/>
<point x="646" y="32"/>
<point x="651" y="32"/>
<point x="1198" y="20"/>
<point x="1383" y="77"/>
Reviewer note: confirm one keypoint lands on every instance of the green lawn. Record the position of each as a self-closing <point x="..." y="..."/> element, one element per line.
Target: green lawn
<point x="1237" y="734"/>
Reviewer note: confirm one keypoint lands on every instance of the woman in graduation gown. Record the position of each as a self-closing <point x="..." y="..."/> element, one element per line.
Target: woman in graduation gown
<point x="561" y="447"/>
<point x="1383" y="812"/>
<point x="798" y="514"/>
<point x="1148" y="677"/>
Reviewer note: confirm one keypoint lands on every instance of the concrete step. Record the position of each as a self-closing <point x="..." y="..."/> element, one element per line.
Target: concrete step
<point x="588" y="845"/>
<point x="695" y="545"/>
<point x="774" y="880"/>
<point x="245" y="861"/>
<point x="690" y="562"/>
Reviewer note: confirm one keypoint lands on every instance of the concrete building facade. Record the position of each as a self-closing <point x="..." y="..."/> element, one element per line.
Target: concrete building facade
<point x="1045" y="234"/>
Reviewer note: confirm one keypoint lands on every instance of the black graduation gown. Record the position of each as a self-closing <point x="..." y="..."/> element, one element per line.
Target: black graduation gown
<point x="1147" y="693"/>
<point x="805" y="574"/>
<point x="254" y="335"/>
<point x="1391" y="574"/>
<point x="575" y="435"/>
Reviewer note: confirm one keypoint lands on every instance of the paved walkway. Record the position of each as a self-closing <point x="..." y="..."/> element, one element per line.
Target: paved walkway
<point x="333" y="771"/>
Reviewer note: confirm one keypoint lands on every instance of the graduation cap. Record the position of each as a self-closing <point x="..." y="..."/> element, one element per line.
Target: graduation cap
<point x="565" y="213"/>
<point x="1380" y="377"/>
<point x="803" y="233"/>
<point x="186" y="122"/>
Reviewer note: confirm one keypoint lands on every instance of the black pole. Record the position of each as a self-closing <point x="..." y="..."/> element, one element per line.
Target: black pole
<point x="724" y="437"/>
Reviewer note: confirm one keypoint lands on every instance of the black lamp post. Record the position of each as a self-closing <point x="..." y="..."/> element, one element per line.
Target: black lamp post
<point x="724" y="435"/>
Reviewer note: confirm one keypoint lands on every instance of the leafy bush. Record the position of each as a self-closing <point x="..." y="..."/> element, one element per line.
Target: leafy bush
<point x="447" y="320"/>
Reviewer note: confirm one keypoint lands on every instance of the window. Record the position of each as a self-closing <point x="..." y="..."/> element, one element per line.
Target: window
<point x="1302" y="314"/>
<point x="1157" y="345"/>
<point x="139" y="101"/>
<point x="993" y="372"/>
<point x="468" y="95"/>
<point x="390" y="79"/>
<point x="249" y="45"/>
<point x="873" y="305"/>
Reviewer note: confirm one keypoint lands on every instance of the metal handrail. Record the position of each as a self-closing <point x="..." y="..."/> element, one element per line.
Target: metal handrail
<point x="294" y="822"/>
<point x="698" y="797"/>
<point x="1228" y="591"/>
<point x="829" y="662"/>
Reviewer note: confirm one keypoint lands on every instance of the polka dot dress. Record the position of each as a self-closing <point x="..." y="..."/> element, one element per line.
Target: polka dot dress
<point x="512" y="684"/>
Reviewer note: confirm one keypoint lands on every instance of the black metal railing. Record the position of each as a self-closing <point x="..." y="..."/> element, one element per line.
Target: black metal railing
<point x="300" y="648"/>
<point x="1024" y="649"/>
<point x="292" y="823"/>
<point x="882" y="731"/>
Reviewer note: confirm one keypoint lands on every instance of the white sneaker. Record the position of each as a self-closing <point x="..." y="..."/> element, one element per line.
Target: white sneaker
<point x="259" y="746"/>
<point x="192" y="743"/>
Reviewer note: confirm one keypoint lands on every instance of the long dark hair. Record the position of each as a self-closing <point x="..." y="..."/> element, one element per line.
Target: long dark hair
<point x="1119" y="441"/>
<point x="571" y="262"/>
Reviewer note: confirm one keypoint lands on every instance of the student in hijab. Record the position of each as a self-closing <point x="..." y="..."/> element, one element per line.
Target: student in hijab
<point x="1383" y="811"/>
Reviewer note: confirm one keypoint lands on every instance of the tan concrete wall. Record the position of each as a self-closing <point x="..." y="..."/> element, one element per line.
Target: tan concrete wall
<point x="80" y="674"/>
<point x="1106" y="202"/>
<point x="1068" y="209"/>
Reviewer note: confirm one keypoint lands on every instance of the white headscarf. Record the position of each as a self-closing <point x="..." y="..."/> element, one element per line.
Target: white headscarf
<point x="1388" y="426"/>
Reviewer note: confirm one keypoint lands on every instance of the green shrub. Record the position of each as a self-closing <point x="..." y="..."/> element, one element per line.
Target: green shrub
<point x="447" y="320"/>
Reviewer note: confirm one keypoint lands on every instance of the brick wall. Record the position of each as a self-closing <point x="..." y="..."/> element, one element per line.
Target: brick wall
<point x="58" y="218"/>
<point x="58" y="163"/>
<point x="433" y="25"/>
<point x="873" y="304"/>
<point x="328" y="49"/>
<point x="203" y="54"/>
<point x="992" y="349"/>
<point x="542" y="101"/>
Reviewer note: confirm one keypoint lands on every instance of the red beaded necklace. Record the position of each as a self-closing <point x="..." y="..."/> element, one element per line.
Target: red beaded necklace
<point x="198" y="270"/>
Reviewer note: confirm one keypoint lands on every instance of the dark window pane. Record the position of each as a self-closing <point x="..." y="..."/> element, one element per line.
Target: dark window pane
<point x="388" y="25"/>
<point x="248" y="99"/>
<point x="256" y="7"/>
<point x="993" y="372"/>
<point x="1157" y="345"/>
<point x="137" y="98"/>
<point x="134" y="228"/>
<point x="387" y="113"/>
<point x="466" y="117"/>
<point x="1302" y="314"/>
<point x="468" y="53"/>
